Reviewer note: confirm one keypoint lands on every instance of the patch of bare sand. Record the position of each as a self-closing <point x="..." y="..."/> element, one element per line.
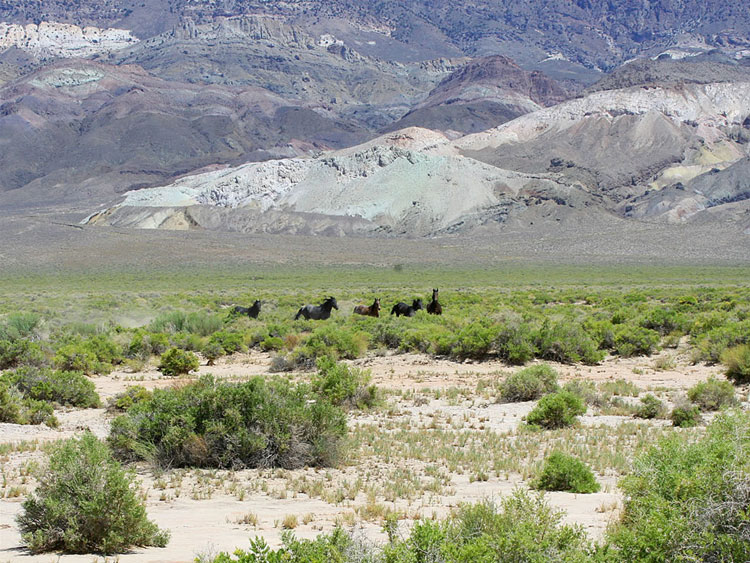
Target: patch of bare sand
<point x="205" y="509"/>
<point x="419" y="371"/>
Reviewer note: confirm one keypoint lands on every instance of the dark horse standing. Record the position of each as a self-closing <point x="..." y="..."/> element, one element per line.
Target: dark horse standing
<point x="251" y="312"/>
<point x="402" y="308"/>
<point x="371" y="311"/>
<point x="318" y="312"/>
<point x="433" y="307"/>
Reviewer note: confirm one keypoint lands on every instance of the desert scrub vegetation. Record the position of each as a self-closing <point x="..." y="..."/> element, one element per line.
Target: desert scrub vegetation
<point x="528" y="384"/>
<point x="556" y="410"/>
<point x="259" y="423"/>
<point x="567" y="343"/>
<point x="562" y="472"/>
<point x="176" y="322"/>
<point x="685" y="415"/>
<point x="28" y="395"/>
<point x="86" y="503"/>
<point x="650" y="407"/>
<point x="94" y="354"/>
<point x="126" y="399"/>
<point x="66" y="388"/>
<point x="737" y="362"/>
<point x="344" y="385"/>
<point x="687" y="500"/>
<point x="17" y="409"/>
<point x="571" y="323"/>
<point x="178" y="362"/>
<point x="712" y="395"/>
<point x="522" y="527"/>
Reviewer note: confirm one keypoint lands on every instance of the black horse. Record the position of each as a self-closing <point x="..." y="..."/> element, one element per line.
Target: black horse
<point x="318" y="312"/>
<point x="433" y="307"/>
<point x="402" y="308"/>
<point x="251" y="312"/>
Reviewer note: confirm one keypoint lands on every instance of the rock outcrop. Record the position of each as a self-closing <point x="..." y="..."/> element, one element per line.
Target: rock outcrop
<point x="62" y="40"/>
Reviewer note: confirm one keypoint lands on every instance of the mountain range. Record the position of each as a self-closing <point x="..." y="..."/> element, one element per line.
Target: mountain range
<point x="375" y="118"/>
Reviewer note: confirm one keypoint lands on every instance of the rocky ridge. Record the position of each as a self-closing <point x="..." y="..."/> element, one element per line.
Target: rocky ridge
<point x="80" y="130"/>
<point x="53" y="40"/>
<point x="482" y="94"/>
<point x="416" y="182"/>
<point x="571" y="36"/>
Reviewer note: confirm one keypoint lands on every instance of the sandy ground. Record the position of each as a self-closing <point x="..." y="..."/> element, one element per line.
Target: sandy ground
<point x="203" y="509"/>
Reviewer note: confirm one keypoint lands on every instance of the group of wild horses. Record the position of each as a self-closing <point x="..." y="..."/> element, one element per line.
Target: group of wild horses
<point x="323" y="311"/>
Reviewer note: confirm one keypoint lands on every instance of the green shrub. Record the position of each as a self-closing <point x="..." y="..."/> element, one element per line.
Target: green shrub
<point x="95" y="354"/>
<point x="562" y="472"/>
<point x="635" y="341"/>
<point x="586" y="390"/>
<point x="333" y="547"/>
<point x="343" y="385"/>
<point x="529" y="384"/>
<point x="62" y="387"/>
<point x="422" y="335"/>
<point x="685" y="415"/>
<point x="515" y="344"/>
<point x="188" y="341"/>
<point x="212" y="351"/>
<point x="210" y="424"/>
<point x="19" y="325"/>
<point x="39" y="412"/>
<point x="139" y="346"/>
<point x="11" y="404"/>
<point x="619" y="387"/>
<point x="177" y="362"/>
<point x="650" y="407"/>
<point x="713" y="344"/>
<point x="473" y="341"/>
<point x="201" y="324"/>
<point x="523" y="528"/>
<point x="85" y="503"/>
<point x="271" y="343"/>
<point x="106" y="350"/>
<point x="712" y="395"/>
<point x="157" y="343"/>
<point x="19" y="409"/>
<point x="664" y="321"/>
<point x="566" y="342"/>
<point x="145" y="344"/>
<point x="602" y="331"/>
<point x="132" y="395"/>
<point x="557" y="410"/>
<point x="387" y="332"/>
<point x="687" y="500"/>
<point x="21" y="352"/>
<point x="737" y="360"/>
<point x="231" y="342"/>
<point x="330" y="340"/>
<point x="75" y="357"/>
